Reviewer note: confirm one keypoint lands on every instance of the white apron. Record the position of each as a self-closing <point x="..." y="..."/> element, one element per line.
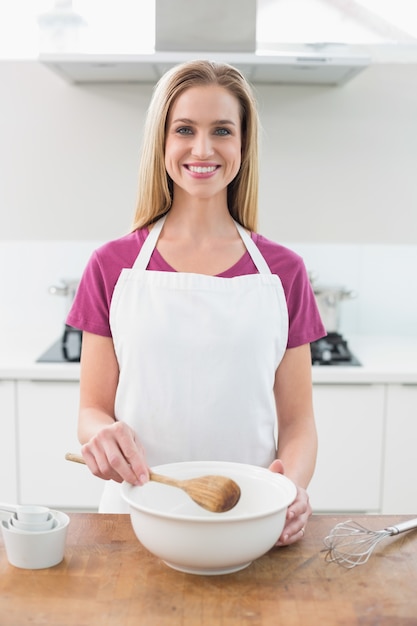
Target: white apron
<point x="197" y="357"/>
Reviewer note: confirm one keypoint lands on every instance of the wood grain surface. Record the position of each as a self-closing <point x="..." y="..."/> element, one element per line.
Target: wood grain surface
<point x="107" y="578"/>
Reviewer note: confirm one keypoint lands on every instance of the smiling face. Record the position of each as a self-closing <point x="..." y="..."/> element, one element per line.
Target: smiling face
<point x="203" y="141"/>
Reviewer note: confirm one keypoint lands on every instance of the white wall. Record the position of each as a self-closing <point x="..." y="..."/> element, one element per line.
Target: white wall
<point x="337" y="184"/>
<point x="338" y="163"/>
<point x="68" y="155"/>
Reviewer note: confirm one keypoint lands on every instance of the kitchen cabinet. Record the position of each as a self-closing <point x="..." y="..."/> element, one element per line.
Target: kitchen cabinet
<point x="366" y="420"/>
<point x="47" y="429"/>
<point x="350" y="425"/>
<point x="400" y="467"/>
<point x="8" y="453"/>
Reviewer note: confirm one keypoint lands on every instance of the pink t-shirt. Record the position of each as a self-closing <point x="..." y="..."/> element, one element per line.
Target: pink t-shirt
<point x="91" y="306"/>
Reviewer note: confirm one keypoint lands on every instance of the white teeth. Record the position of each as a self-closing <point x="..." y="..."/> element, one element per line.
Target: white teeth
<point x="201" y="170"/>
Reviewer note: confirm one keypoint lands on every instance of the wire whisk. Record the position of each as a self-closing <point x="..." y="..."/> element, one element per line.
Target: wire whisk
<point x="350" y="544"/>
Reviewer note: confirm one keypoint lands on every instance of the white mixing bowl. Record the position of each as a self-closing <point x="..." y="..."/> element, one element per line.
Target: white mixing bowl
<point x="189" y="538"/>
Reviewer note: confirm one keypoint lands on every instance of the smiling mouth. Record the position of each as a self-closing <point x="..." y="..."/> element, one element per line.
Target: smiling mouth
<point x="200" y="169"/>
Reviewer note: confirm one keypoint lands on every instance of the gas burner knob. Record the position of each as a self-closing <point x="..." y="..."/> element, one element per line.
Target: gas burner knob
<point x="326" y="356"/>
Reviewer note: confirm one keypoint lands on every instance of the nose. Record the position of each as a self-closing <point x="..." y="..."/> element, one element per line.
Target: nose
<point x="202" y="145"/>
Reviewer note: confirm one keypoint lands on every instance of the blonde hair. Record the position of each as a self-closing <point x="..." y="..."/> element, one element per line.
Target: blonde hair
<point x="155" y="186"/>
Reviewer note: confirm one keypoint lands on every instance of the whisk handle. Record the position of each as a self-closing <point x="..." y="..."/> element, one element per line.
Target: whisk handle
<point x="403" y="527"/>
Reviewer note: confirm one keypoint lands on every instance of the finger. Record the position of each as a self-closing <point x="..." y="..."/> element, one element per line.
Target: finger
<point x="106" y="460"/>
<point x="139" y="468"/>
<point x="277" y="467"/>
<point x="289" y="537"/>
<point x="134" y="455"/>
<point x="117" y="454"/>
<point x="98" y="465"/>
<point x="121" y="465"/>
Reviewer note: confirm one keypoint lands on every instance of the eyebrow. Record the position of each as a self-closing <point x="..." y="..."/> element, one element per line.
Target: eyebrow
<point x="185" y="120"/>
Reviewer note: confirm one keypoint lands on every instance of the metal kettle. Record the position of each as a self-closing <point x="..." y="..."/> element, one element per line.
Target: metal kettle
<point x="67" y="288"/>
<point x="329" y="299"/>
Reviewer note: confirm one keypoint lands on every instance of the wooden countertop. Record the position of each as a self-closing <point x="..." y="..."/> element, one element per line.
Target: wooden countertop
<point x="107" y="578"/>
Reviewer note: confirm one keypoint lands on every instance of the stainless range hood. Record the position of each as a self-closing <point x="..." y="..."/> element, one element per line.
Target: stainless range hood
<point x="278" y="68"/>
<point x="190" y="29"/>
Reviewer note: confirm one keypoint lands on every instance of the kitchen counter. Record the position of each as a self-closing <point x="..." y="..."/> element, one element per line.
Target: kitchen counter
<point x="384" y="360"/>
<point x="18" y="355"/>
<point x="107" y="578"/>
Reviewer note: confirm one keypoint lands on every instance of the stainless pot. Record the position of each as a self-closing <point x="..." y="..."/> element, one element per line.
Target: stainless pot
<point x="67" y="289"/>
<point x="329" y="299"/>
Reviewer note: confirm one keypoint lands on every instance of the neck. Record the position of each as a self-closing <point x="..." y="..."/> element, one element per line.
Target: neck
<point x="200" y="217"/>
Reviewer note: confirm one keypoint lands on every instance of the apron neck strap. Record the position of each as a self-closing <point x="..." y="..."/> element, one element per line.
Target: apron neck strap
<point x="144" y="256"/>
<point x="148" y="247"/>
<point x="256" y="256"/>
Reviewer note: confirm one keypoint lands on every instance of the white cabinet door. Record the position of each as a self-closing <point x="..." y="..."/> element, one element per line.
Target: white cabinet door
<point x="47" y="429"/>
<point x="350" y="425"/>
<point x="400" y="471"/>
<point x="8" y="456"/>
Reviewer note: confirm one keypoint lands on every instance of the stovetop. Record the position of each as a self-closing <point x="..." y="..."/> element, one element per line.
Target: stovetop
<point x="66" y="349"/>
<point x="332" y="350"/>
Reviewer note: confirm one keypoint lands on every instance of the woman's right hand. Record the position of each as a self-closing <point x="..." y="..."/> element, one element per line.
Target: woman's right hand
<point x="110" y="447"/>
<point x="114" y="453"/>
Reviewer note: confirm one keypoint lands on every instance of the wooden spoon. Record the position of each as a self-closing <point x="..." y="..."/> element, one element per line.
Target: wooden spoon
<point x="217" y="494"/>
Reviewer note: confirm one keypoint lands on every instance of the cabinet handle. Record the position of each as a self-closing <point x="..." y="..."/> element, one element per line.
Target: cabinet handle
<point x="349" y="384"/>
<point x="50" y="380"/>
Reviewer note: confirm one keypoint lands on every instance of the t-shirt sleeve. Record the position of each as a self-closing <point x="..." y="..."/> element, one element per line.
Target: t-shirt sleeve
<point x="305" y="324"/>
<point x="91" y="305"/>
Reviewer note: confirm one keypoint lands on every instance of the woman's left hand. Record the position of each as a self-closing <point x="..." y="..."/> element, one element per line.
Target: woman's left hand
<point x="297" y="514"/>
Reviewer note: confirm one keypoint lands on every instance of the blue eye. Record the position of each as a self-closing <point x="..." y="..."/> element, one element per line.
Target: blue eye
<point x="184" y="130"/>
<point x="222" y="131"/>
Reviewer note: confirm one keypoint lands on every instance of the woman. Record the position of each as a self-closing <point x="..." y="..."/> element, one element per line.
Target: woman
<point x="197" y="329"/>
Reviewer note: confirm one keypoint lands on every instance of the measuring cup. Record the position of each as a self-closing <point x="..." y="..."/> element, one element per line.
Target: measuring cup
<point x="28" y="513"/>
<point x="36" y="550"/>
<point x="15" y="522"/>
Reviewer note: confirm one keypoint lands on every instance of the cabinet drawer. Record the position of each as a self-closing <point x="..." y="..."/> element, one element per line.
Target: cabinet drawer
<point x="350" y="425"/>
<point x="8" y="453"/>
<point x="400" y="469"/>
<point x="48" y="414"/>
